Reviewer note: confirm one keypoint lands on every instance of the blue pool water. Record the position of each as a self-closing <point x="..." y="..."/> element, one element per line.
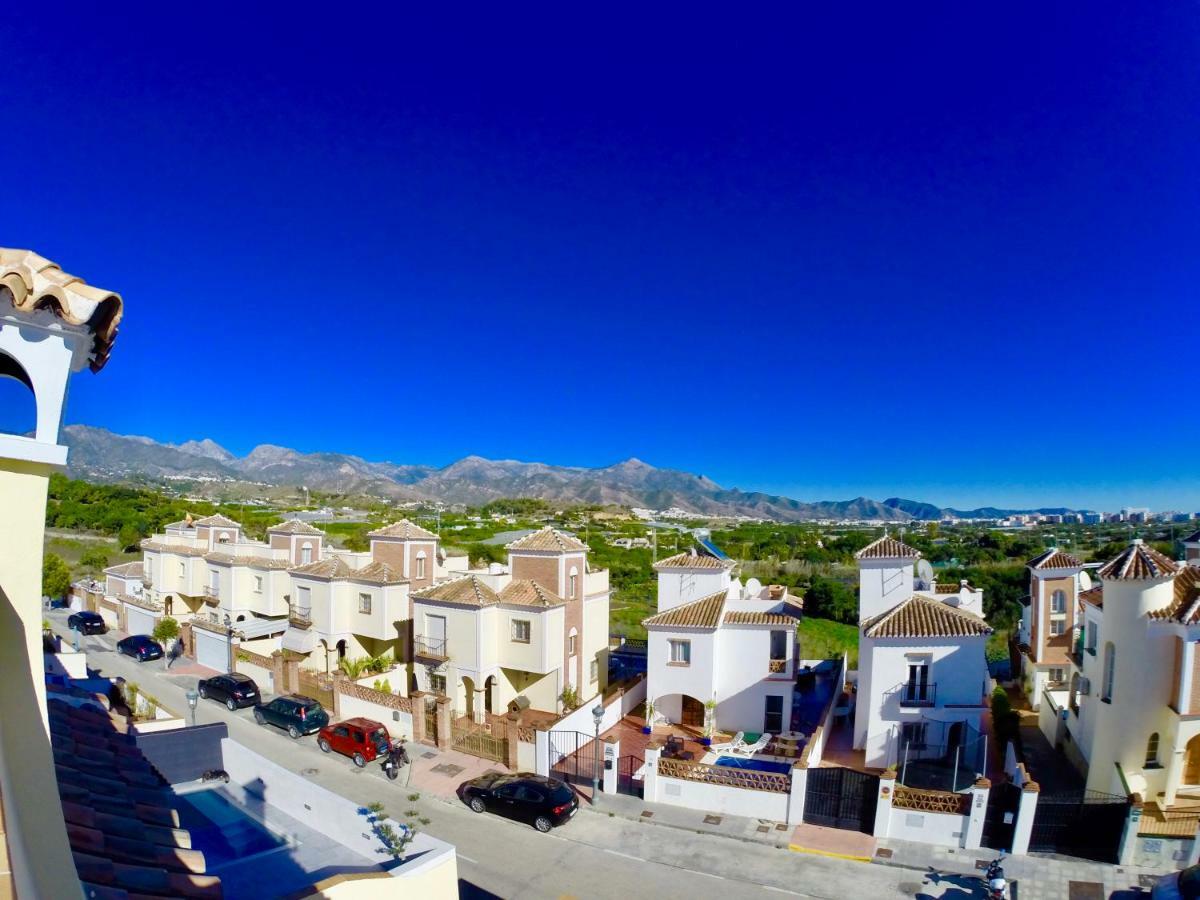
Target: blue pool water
<point x="759" y="765"/>
<point x="220" y="829"/>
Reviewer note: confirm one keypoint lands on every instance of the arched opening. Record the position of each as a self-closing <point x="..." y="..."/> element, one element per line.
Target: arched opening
<point x="954" y="737"/>
<point x="413" y="684"/>
<point x="18" y="405"/>
<point x="341" y="650"/>
<point x="1073" y="700"/>
<point x="241" y="618"/>
<point x="489" y="687"/>
<point x="325" y="653"/>
<point x="420" y="565"/>
<point x="692" y="712"/>
<point x="1152" y="752"/>
<point x="1191" y="766"/>
<point x="469" y="696"/>
<point x="572" y="583"/>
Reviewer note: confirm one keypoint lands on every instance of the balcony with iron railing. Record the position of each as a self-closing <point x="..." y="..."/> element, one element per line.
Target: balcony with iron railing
<point x="212" y="595"/>
<point x="916" y="693"/>
<point x="430" y="649"/>
<point x="300" y="617"/>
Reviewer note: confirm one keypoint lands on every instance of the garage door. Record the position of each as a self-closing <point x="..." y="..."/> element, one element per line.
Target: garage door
<point x="212" y="650"/>
<point x="140" y="621"/>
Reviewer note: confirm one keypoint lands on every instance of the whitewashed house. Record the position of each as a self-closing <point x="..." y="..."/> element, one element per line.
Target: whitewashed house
<point x="716" y="644"/>
<point x="922" y="676"/>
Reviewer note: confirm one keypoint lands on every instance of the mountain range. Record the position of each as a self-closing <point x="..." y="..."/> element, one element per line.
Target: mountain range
<point x="101" y="455"/>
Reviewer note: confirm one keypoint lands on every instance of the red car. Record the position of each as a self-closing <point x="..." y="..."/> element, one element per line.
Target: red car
<point x="363" y="740"/>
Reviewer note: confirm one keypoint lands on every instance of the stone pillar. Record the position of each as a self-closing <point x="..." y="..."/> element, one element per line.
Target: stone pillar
<point x="650" y="776"/>
<point x="445" y="723"/>
<point x="512" y="724"/>
<point x="277" y="682"/>
<point x="1174" y="775"/>
<point x="541" y="757"/>
<point x="338" y="678"/>
<point x="417" y="698"/>
<point x="291" y="669"/>
<point x="1128" y="847"/>
<point x="883" y="803"/>
<point x="973" y="836"/>
<point x="1025" y="813"/>
<point x="798" y="792"/>
<point x="185" y="635"/>
<point x="612" y="764"/>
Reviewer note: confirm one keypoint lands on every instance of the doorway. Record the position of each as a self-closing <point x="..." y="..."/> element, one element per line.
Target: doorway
<point x="692" y="712"/>
<point x="1191" y="765"/>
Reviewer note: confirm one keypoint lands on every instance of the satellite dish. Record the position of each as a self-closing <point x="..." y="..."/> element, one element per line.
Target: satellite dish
<point x="753" y="587"/>
<point x="1085" y="581"/>
<point x="925" y="572"/>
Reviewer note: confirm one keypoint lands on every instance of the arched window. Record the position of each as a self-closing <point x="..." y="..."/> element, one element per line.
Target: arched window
<point x="1152" y="752"/>
<point x="18" y="406"/>
<point x="1058" y="602"/>
<point x="572" y="581"/>
<point x="306" y="553"/>
<point x="572" y="642"/>
<point x="420" y="565"/>
<point x="1110" y="665"/>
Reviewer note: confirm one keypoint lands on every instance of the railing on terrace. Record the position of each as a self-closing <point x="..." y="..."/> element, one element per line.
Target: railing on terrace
<point x="918" y="694"/>
<point x="430" y="648"/>
<point x="728" y="776"/>
<point x="923" y="800"/>
<point x="301" y="618"/>
<point x="778" y="666"/>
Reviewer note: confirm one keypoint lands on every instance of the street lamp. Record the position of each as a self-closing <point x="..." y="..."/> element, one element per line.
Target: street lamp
<point x="229" y="637"/>
<point x="597" y="717"/>
<point x="192" y="696"/>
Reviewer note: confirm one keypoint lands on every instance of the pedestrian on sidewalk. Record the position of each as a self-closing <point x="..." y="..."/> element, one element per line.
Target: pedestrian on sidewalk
<point x="175" y="652"/>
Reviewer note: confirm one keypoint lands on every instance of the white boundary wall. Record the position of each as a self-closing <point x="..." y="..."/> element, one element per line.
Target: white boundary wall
<point x="397" y="721"/>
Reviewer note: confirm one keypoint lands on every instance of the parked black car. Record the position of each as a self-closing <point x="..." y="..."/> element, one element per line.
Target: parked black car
<point x="295" y="714"/>
<point x="542" y="802"/>
<point x="141" y="647"/>
<point x="234" y="690"/>
<point x="87" y="622"/>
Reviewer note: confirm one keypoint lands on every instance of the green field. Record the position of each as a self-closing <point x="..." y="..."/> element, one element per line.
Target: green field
<point x="826" y="639"/>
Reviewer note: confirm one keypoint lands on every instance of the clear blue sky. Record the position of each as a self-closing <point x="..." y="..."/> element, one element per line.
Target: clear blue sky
<point x="931" y="250"/>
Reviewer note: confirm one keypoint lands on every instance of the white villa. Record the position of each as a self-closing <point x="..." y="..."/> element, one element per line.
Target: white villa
<point x="717" y="642"/>
<point x="530" y="629"/>
<point x="922" y="673"/>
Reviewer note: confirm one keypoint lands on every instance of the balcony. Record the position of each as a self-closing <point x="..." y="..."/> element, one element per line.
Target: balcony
<point x="430" y="649"/>
<point x="212" y="595"/>
<point x="777" y="666"/>
<point x="918" y="694"/>
<point x="300" y="618"/>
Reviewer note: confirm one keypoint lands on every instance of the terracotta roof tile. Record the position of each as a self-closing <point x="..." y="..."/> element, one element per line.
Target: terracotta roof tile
<point x="529" y="593"/>
<point x="923" y="617"/>
<point x="1094" y="596"/>
<point x="405" y="530"/>
<point x="468" y="589"/>
<point x="32" y="283"/>
<point x="331" y="567"/>
<point x="218" y="521"/>
<point x="378" y="573"/>
<point x="126" y="570"/>
<point x="294" y="526"/>
<point x="548" y="539"/>
<point x="163" y="547"/>
<point x="745" y="617"/>
<point x="693" y="561"/>
<point x="1054" y="559"/>
<point x="254" y="562"/>
<point x="1138" y="562"/>
<point x="702" y="613"/>
<point x="1185" y="607"/>
<point x="887" y="547"/>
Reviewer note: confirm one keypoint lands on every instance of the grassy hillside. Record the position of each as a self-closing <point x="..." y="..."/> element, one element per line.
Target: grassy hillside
<point x="826" y="639"/>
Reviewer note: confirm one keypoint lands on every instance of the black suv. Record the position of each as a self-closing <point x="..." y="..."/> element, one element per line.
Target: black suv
<point x="141" y="647"/>
<point x="542" y="802"/>
<point x="293" y="713"/>
<point x="87" y="622"/>
<point x="234" y="690"/>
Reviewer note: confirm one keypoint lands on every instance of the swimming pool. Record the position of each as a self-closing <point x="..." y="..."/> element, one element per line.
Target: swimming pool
<point x="222" y="830"/>
<point x="758" y="765"/>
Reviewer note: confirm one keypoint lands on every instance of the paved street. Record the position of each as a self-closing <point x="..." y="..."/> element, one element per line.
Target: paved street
<point x="596" y="855"/>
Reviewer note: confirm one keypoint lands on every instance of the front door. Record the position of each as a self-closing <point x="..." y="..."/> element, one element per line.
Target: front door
<point x="1191" y="767"/>
<point x="693" y="712"/>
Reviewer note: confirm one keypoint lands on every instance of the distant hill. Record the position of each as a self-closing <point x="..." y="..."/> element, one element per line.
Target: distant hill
<point x="101" y="455"/>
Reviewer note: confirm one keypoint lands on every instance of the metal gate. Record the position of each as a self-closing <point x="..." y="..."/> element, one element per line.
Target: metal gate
<point x="575" y="757"/>
<point x="841" y="798"/>
<point x="629" y="775"/>
<point x="431" y="724"/>
<point x="319" y="688"/>
<point x="474" y="740"/>
<point x="1000" y="819"/>
<point x="1088" y="824"/>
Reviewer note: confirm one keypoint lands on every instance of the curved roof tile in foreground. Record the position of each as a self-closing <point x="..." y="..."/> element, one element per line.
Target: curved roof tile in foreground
<point x="1054" y="559"/>
<point x="924" y="617"/>
<point x="1185" y="608"/>
<point x="702" y="613"/>
<point x="688" y="560"/>
<point x="405" y="530"/>
<point x="294" y="526"/>
<point x="31" y="283"/>
<point x="1138" y="562"/>
<point x="887" y="547"/>
<point x="468" y="590"/>
<point x="548" y="539"/>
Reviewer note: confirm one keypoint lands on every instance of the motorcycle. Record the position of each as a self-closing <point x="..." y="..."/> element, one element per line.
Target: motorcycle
<point x="997" y="884"/>
<point x="395" y="759"/>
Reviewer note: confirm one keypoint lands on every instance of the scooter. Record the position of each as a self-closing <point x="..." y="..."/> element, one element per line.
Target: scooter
<point x="395" y="760"/>
<point x="997" y="884"/>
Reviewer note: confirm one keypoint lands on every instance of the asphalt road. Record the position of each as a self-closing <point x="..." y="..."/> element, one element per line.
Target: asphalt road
<point x="595" y="855"/>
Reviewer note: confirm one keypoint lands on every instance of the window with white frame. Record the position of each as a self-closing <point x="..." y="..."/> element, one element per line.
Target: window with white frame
<point x="521" y="631"/>
<point x="364" y="603"/>
<point x="182" y="572"/>
<point x="420" y="573"/>
<point x="306" y="553"/>
<point x="1152" y="752"/>
<point x="680" y="653"/>
<point x="572" y="580"/>
<point x="572" y="640"/>
<point x="594" y="672"/>
<point x="258" y="584"/>
<point x="1056" y="675"/>
<point x="304" y="599"/>
<point x="1058" y="626"/>
<point x="1058" y="602"/>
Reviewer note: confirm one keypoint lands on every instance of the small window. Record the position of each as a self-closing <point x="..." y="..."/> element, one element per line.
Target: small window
<point x="773" y="715"/>
<point x="364" y="603"/>
<point x="572" y="581"/>
<point x="1091" y="637"/>
<point x="420" y="566"/>
<point x="521" y="631"/>
<point x="181" y="570"/>
<point x="1055" y="675"/>
<point x="1058" y="626"/>
<point x="258" y="584"/>
<point x="779" y="645"/>
<point x="595" y="672"/>
<point x="681" y="653"/>
<point x="571" y="641"/>
<point x="306" y="553"/>
<point x="913" y="734"/>
<point x="1110" y="667"/>
<point x="437" y="684"/>
<point x="1152" y="752"/>
<point x="1058" y="602"/>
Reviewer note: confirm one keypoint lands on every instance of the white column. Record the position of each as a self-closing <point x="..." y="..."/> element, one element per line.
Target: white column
<point x="1185" y="677"/>
<point x="883" y="804"/>
<point x="612" y="760"/>
<point x="541" y="757"/>
<point x="973" y="836"/>
<point x="650" y="776"/>
<point x="1174" y="775"/>
<point x="797" y="794"/>
<point x="1025" y="813"/>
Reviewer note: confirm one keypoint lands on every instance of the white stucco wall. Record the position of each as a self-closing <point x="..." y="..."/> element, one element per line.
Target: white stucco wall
<point x="882" y="583"/>
<point x="667" y="683"/>
<point x="679" y="586"/>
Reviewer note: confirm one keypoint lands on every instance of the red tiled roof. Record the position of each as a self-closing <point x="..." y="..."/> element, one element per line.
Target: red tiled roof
<point x="1054" y="559"/>
<point x="548" y="539"/>
<point x="294" y="526"/>
<point x="1138" y="562"/>
<point x="887" y="547"/>
<point x="923" y="617"/>
<point x="693" y="561"/>
<point x="702" y="613"/>
<point x="405" y="530"/>
<point x="1094" y="596"/>
<point x="1185" y="608"/>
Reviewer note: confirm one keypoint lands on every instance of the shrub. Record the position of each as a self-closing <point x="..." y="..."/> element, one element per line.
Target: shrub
<point x="166" y="630"/>
<point x="569" y="698"/>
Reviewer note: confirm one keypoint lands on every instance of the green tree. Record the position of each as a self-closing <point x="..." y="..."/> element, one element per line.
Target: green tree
<point x="95" y="560"/>
<point x="56" y="576"/>
<point x="129" y="536"/>
<point x="166" y="630"/>
<point x="829" y="599"/>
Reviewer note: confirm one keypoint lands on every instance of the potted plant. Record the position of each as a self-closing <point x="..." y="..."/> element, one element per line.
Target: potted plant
<point x="710" y="707"/>
<point x="649" y="717"/>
